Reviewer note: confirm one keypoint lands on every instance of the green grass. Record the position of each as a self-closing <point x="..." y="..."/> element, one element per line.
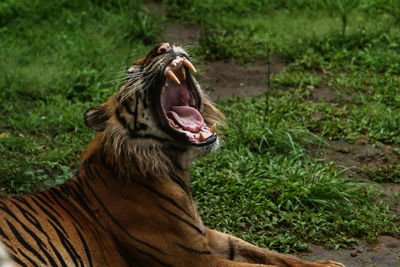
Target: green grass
<point x="263" y="186"/>
<point x="59" y="59"/>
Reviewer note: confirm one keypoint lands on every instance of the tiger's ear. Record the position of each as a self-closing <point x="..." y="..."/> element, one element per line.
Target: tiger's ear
<point x="96" y="118"/>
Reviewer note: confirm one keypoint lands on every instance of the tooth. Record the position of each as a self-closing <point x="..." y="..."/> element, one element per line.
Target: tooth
<point x="175" y="125"/>
<point x="188" y="64"/>
<point x="213" y="128"/>
<point x="163" y="89"/>
<point x="171" y="74"/>
<point x="173" y="63"/>
<point x="183" y="73"/>
<point x="202" y="137"/>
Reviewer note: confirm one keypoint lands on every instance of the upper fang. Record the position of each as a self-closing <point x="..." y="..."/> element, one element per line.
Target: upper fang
<point x="188" y="64"/>
<point x="173" y="77"/>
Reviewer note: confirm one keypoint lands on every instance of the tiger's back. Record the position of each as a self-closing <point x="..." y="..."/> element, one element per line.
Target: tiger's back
<point x="52" y="228"/>
<point x="74" y="225"/>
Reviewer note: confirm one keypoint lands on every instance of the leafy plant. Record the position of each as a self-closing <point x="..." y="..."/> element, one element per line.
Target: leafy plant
<point x="342" y="9"/>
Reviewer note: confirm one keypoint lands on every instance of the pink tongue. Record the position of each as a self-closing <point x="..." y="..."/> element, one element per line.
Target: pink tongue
<point x="187" y="117"/>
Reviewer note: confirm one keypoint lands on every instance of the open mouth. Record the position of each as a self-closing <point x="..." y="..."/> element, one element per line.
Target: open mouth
<point x="180" y="103"/>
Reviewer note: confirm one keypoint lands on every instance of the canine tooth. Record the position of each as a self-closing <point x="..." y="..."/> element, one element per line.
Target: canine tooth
<point x="188" y="64"/>
<point x="163" y="89"/>
<point x="183" y="73"/>
<point x="171" y="74"/>
<point x="213" y="128"/>
<point x="173" y="63"/>
<point x="175" y="125"/>
<point x="202" y="138"/>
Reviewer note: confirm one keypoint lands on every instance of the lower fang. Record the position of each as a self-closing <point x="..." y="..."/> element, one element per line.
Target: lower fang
<point x="175" y="125"/>
<point x="202" y="138"/>
<point x="183" y="73"/>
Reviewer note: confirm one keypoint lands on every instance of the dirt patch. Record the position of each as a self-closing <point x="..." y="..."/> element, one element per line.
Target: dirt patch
<point x="358" y="158"/>
<point x="384" y="254"/>
<point x="181" y="34"/>
<point x="325" y="94"/>
<point x="227" y="79"/>
<point x="223" y="79"/>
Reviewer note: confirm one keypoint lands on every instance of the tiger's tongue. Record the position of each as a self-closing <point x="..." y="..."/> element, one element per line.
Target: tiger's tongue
<point x="186" y="117"/>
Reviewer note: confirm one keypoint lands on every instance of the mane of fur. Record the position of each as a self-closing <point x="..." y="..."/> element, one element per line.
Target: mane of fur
<point x="145" y="157"/>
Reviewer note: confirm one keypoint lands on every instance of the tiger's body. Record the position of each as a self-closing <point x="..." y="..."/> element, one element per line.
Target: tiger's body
<point x="129" y="204"/>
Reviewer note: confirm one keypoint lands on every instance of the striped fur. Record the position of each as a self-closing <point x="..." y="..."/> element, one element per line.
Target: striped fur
<point x="129" y="204"/>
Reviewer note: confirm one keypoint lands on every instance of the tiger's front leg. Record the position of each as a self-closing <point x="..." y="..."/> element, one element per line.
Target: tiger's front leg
<point x="235" y="249"/>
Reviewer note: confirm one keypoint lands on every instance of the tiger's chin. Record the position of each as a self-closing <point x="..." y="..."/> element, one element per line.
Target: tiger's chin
<point x="200" y="151"/>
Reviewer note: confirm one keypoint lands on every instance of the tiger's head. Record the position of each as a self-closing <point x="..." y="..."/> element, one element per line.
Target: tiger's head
<point x="159" y="119"/>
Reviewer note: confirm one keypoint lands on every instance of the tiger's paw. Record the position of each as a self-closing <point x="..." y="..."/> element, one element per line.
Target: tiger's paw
<point x="328" y="263"/>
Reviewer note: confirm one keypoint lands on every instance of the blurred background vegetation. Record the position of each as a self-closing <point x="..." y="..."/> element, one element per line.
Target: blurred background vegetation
<point x="59" y="58"/>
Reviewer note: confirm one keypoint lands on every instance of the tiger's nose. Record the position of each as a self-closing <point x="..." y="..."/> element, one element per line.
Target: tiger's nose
<point x="164" y="47"/>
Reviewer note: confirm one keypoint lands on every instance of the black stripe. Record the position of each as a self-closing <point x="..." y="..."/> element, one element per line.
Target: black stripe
<point x="2" y="234"/>
<point x="203" y="252"/>
<point x="120" y="226"/>
<point x="78" y="187"/>
<point x="17" y="260"/>
<point x="47" y="198"/>
<point x="88" y="171"/>
<point x="83" y="203"/>
<point x="177" y="164"/>
<point x="29" y="217"/>
<point x="161" y="195"/>
<point x="183" y="220"/>
<point x="148" y="136"/>
<point x="144" y="99"/>
<point x="55" y="194"/>
<point x="138" y="125"/>
<point x="38" y="196"/>
<point x="68" y="246"/>
<point x="38" y="241"/>
<point x="100" y="176"/>
<point x="127" y="107"/>
<point x="60" y="258"/>
<point x="180" y="182"/>
<point x="26" y="203"/>
<point x="22" y="241"/>
<point x="28" y="258"/>
<point x="51" y="216"/>
<point x="85" y="246"/>
<point x="150" y="256"/>
<point x="122" y="120"/>
<point x="231" y="249"/>
<point x="125" y="252"/>
<point x="9" y="247"/>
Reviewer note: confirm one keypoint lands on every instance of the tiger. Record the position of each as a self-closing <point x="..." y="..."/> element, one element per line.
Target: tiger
<point x="130" y="203"/>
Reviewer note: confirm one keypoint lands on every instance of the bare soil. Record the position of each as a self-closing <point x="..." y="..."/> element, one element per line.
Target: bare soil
<point x="227" y="79"/>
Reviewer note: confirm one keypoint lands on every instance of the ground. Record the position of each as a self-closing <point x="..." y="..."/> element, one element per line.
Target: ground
<point x="227" y="79"/>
